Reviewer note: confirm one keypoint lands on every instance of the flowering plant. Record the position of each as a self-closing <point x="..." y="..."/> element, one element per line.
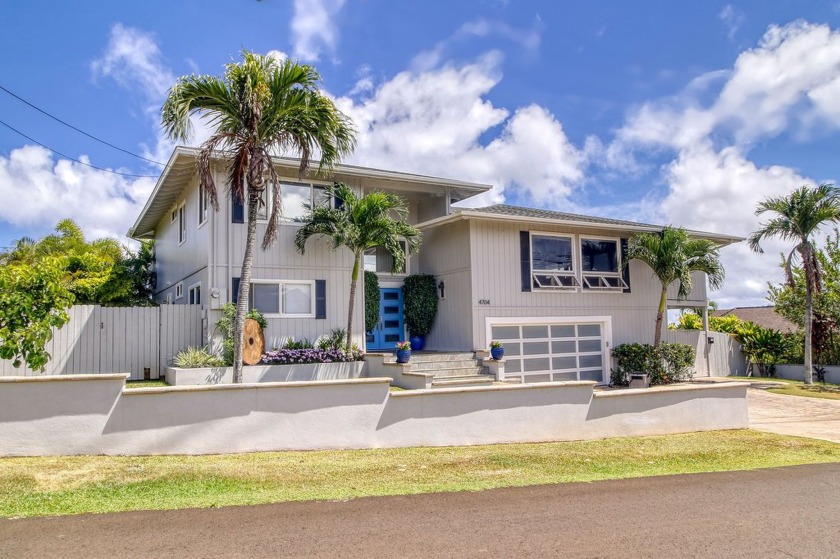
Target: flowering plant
<point x="305" y="356"/>
<point x="404" y="346"/>
<point x="496" y="345"/>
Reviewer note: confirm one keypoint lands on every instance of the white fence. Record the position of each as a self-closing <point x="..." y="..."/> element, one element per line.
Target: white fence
<point x="722" y="357"/>
<point x="100" y="340"/>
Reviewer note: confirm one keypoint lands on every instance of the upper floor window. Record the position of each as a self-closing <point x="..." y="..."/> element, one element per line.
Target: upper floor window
<point x="182" y="224"/>
<point x="203" y="205"/>
<point x="380" y="260"/>
<point x="553" y="262"/>
<point x="601" y="264"/>
<point x="296" y="197"/>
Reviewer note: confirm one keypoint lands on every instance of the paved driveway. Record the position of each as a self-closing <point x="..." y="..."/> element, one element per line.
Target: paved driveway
<point x="794" y="415"/>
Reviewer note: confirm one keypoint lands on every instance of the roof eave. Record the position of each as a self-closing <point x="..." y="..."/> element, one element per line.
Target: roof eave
<point x="132" y="231"/>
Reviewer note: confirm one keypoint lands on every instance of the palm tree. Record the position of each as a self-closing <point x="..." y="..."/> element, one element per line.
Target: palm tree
<point x="360" y="224"/>
<point x="799" y="215"/>
<point x="673" y="255"/>
<point x="259" y="108"/>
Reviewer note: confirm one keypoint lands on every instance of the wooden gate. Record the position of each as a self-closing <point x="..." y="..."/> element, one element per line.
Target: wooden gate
<point x="136" y="340"/>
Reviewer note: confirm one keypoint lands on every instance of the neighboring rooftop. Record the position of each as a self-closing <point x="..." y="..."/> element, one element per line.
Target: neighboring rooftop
<point x="519" y="211"/>
<point x="766" y="317"/>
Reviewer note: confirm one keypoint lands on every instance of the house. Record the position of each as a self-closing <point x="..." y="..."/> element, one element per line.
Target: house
<point x="765" y="316"/>
<point x="550" y="285"/>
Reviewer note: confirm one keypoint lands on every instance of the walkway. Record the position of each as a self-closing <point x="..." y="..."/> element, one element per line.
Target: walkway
<point x="782" y="512"/>
<point x="794" y="415"/>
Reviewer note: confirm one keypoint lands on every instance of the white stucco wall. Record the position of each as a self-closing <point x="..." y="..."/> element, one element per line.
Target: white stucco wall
<point x="89" y="414"/>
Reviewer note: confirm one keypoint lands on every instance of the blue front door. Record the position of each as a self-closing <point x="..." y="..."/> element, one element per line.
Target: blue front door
<point x="390" y="328"/>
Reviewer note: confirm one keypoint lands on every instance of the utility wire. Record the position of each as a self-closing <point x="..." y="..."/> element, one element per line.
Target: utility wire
<point x="72" y="159"/>
<point x="80" y="131"/>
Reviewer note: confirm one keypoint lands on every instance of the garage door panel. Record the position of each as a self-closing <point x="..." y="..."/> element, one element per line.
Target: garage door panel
<point x="563" y="331"/>
<point x="589" y="345"/>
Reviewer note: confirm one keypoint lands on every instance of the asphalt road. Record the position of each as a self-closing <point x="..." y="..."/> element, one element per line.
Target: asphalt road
<point x="785" y="512"/>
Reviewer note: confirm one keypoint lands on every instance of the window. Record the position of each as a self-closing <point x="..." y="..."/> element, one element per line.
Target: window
<point x="179" y="290"/>
<point x="296" y="198"/>
<point x="552" y="262"/>
<point x="182" y="225"/>
<point x="194" y="294"/>
<point x="284" y="298"/>
<point x="203" y="203"/>
<point x="601" y="264"/>
<point x="380" y="260"/>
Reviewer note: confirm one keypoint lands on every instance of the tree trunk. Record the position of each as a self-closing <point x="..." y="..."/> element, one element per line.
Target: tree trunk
<point x="663" y="302"/>
<point x="809" y="317"/>
<point x="245" y="284"/>
<point x="354" y="281"/>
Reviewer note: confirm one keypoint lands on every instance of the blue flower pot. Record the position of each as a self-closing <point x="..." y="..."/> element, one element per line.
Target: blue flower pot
<point x="417" y="342"/>
<point x="497" y="352"/>
<point x="403" y="355"/>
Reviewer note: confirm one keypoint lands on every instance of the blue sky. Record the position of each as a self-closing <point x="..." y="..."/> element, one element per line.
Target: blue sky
<point x="672" y="112"/>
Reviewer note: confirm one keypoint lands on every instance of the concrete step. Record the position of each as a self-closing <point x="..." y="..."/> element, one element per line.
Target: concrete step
<point x="457" y="372"/>
<point x="423" y="357"/>
<point x="431" y="366"/>
<point x="472" y="380"/>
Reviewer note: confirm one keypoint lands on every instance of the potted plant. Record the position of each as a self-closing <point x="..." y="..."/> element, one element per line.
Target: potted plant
<point x="420" y="298"/>
<point x="497" y="350"/>
<point x="403" y="351"/>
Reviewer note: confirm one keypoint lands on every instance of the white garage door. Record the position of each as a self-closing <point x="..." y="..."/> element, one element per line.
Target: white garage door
<point x="540" y="350"/>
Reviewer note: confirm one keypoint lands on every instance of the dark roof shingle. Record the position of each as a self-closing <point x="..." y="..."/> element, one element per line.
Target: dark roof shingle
<point x="766" y="317"/>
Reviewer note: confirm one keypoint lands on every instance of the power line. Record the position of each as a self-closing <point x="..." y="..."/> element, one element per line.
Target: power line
<point x="72" y="159"/>
<point x="80" y="131"/>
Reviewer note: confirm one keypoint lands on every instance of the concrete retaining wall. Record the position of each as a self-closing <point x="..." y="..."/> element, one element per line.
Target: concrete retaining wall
<point x="92" y="414"/>
<point x="265" y="373"/>
<point x="796" y="372"/>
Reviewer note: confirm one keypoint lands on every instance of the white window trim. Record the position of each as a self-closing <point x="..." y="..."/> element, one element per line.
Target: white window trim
<point x="181" y="211"/>
<point x="574" y="273"/>
<point x="270" y="193"/>
<point x="189" y="292"/>
<point x="179" y="290"/>
<point x="623" y="285"/>
<point x="281" y="283"/>
<point x="203" y="203"/>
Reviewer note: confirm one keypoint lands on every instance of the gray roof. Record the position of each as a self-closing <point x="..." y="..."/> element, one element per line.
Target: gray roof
<point x="505" y="209"/>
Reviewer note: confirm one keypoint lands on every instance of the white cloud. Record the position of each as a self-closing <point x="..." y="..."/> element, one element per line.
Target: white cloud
<point x="732" y="19"/>
<point x="36" y="192"/>
<point x="133" y="59"/>
<point x="433" y="122"/>
<point x="788" y="83"/>
<point x="313" y="27"/>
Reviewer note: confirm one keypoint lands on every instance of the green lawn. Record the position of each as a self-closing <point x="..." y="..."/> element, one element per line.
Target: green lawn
<point x="146" y="384"/>
<point x="80" y="484"/>
<point x="799" y="388"/>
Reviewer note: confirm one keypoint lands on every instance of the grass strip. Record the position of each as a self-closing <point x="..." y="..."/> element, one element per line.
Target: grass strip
<point x="45" y="486"/>
<point x="823" y="390"/>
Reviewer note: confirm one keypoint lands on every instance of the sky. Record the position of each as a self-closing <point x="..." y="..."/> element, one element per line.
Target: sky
<point x="668" y="112"/>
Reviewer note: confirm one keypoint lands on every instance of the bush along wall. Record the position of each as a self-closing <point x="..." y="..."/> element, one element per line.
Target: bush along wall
<point x="421" y="303"/>
<point x="670" y="363"/>
<point x="371" y="300"/>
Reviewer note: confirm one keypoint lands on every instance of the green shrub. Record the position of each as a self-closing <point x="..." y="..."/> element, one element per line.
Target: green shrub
<point x="763" y="347"/>
<point x="670" y="363"/>
<point x="334" y="339"/>
<point x="196" y="357"/>
<point x="291" y="343"/>
<point x="371" y="300"/>
<point x="421" y="303"/>
<point x="225" y="326"/>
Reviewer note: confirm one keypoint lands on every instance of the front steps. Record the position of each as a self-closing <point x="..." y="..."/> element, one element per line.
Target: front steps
<point x="451" y="370"/>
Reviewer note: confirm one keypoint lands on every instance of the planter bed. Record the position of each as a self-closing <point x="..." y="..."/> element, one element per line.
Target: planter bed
<point x="266" y="373"/>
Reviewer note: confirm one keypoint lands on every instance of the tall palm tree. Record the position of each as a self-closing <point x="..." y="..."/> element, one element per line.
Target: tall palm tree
<point x="798" y="216"/>
<point x="673" y="255"/>
<point x="259" y="108"/>
<point x="376" y="219"/>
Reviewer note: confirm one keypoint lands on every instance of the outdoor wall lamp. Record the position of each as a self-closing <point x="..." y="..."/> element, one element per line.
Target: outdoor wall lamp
<point x="711" y="340"/>
<point x="441" y="288"/>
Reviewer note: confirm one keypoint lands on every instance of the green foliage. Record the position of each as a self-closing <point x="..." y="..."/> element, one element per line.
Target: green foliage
<point x="371" y="300"/>
<point x="421" y="303"/>
<point x="687" y="321"/>
<point x="334" y="339"/>
<point x="763" y="347"/>
<point x="33" y="300"/>
<point x="494" y="344"/>
<point x="673" y="256"/>
<point x="377" y="219"/>
<point x="195" y="358"/>
<point x="666" y="364"/>
<point x="291" y="343"/>
<point x="225" y="326"/>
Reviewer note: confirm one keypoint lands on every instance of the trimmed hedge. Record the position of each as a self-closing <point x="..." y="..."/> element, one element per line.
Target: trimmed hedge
<point x="371" y="300"/>
<point x="670" y="363"/>
<point x="421" y="303"/>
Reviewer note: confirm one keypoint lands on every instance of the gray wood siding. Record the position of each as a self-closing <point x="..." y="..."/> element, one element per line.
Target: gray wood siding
<point x="497" y="277"/>
<point x="174" y="262"/>
<point x="697" y="295"/>
<point x="446" y="255"/>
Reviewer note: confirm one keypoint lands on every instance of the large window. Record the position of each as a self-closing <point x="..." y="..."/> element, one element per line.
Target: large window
<point x="552" y="262"/>
<point x="296" y="197"/>
<point x="284" y="298"/>
<point x="601" y="264"/>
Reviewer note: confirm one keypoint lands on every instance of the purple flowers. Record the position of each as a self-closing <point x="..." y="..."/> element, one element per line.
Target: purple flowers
<point x="304" y="356"/>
